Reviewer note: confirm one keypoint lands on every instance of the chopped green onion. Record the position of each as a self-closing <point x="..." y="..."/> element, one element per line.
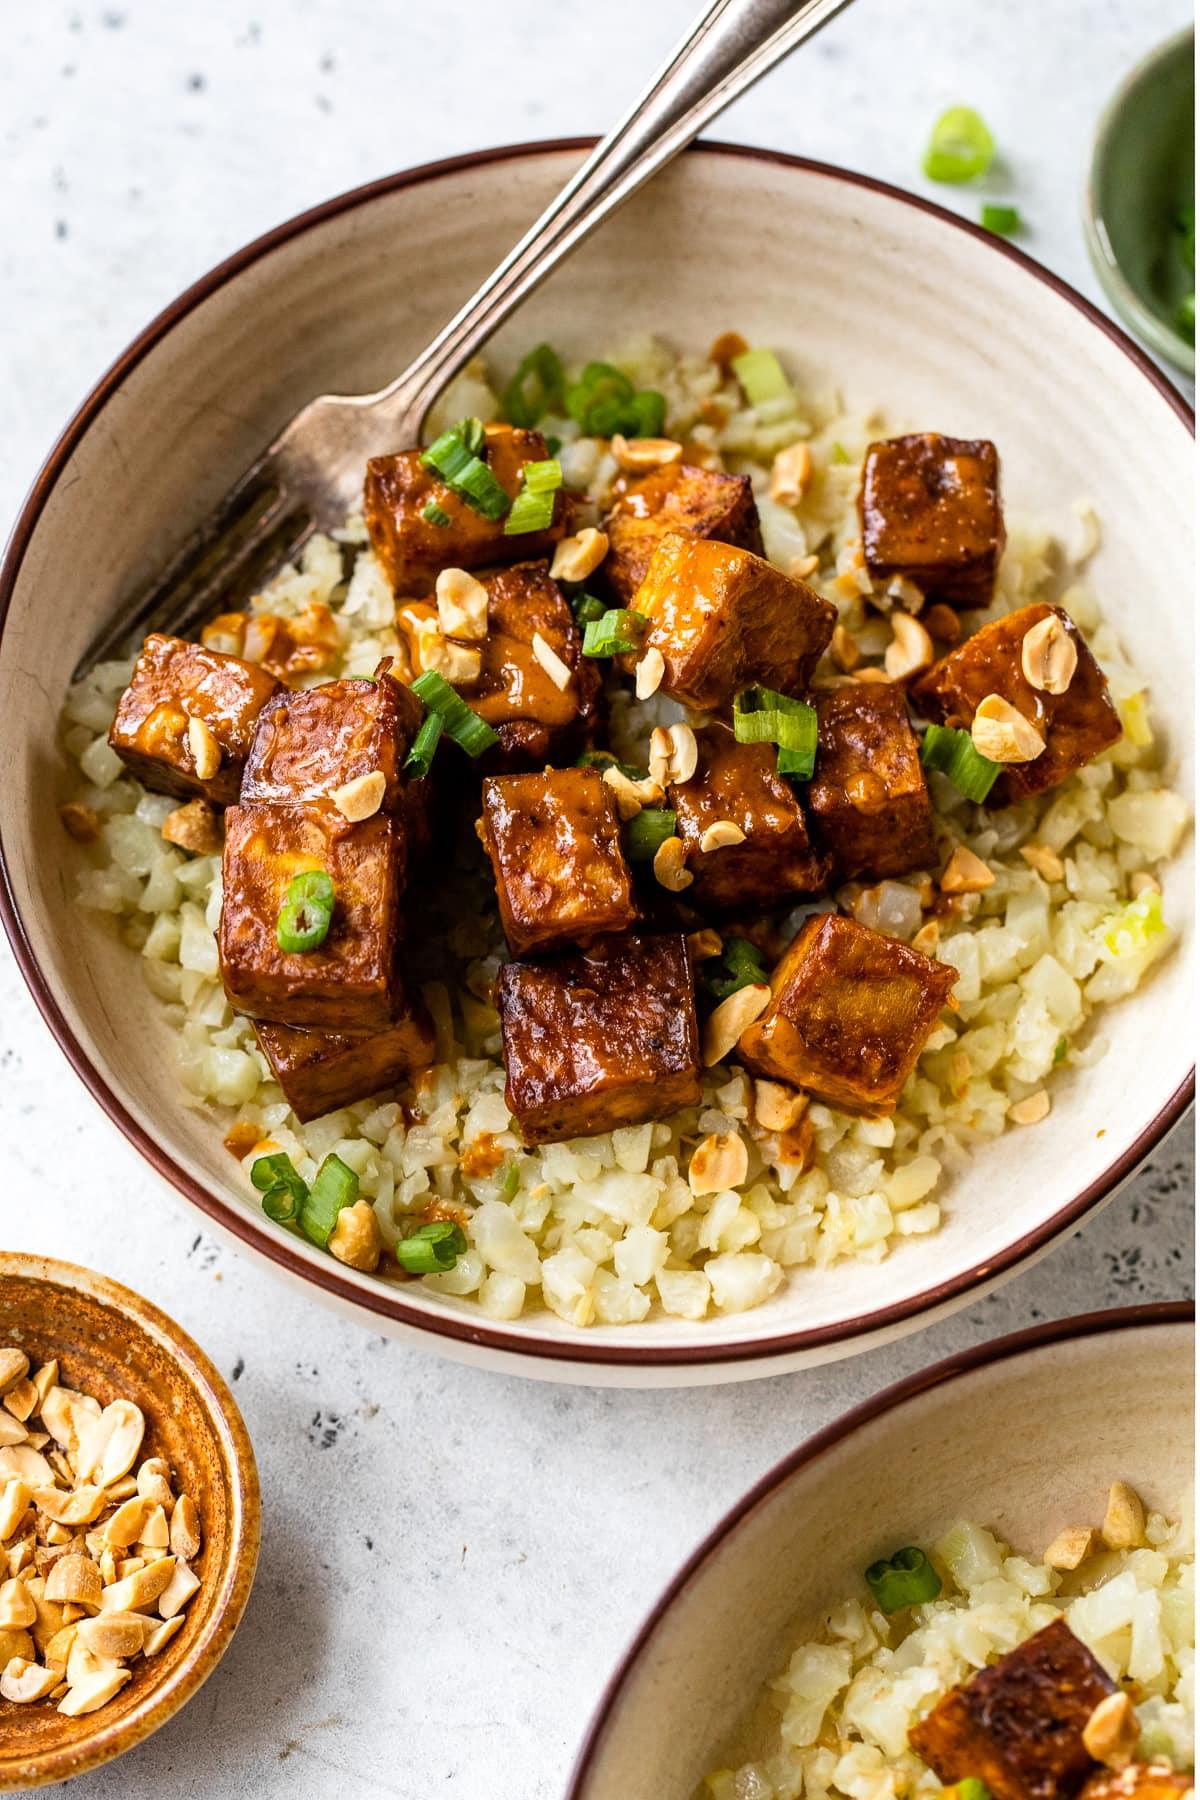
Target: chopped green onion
<point x="334" y="1186"/>
<point x="602" y="402"/>
<point x="960" y="146"/>
<point x="473" y="434"/>
<point x="530" y="512"/>
<point x="906" y="1579"/>
<point x="313" y="885"/>
<point x="510" y="1181"/>
<point x="431" y="1249"/>
<point x="1185" y="316"/>
<point x="741" y="965"/>
<point x="761" y="716"/>
<point x="1005" y="221"/>
<point x="838" y="453"/>
<point x="535" y="389"/>
<point x="604" y="759"/>
<point x="614" y="634"/>
<point x="270" y="1174"/>
<point x="469" y="731"/>
<point x="420" y="757"/>
<point x="433" y="514"/>
<point x="971" y="1788"/>
<point x="463" y="471"/>
<point x="542" y="477"/>
<point x="1060" y="1050"/>
<point x="647" y="414"/>
<point x="951" y="751"/>
<point x="761" y="376"/>
<point x="282" y="1204"/>
<point x="586" y="606"/>
<point x="302" y="925"/>
<point x="646" y="831"/>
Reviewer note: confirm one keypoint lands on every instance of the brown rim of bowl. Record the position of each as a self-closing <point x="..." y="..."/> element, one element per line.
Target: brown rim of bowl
<point x="383" y="1301"/>
<point x="964" y="1362"/>
<point x="161" y="1702"/>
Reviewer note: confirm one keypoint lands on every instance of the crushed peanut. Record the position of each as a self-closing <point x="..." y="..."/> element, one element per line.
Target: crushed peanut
<point x="462" y="605"/>
<point x="355" y="1239"/>
<point x="905" y="594"/>
<point x="701" y="945"/>
<point x="79" y="822"/>
<point x="194" y="826"/>
<point x="776" y="1107"/>
<point x="1044" y="860"/>
<point x="926" y="939"/>
<point x="801" y="567"/>
<point x="791" y="474"/>
<point x="576" y="557"/>
<point x="632" y="796"/>
<point x="910" y="650"/>
<point x="1070" y="1548"/>
<point x="636" y="455"/>
<point x="669" y="866"/>
<point x="1124" y="1526"/>
<point x="206" y="752"/>
<point x="361" y="798"/>
<point x="551" y="662"/>
<point x="648" y="674"/>
<point x="1049" y="657"/>
<point x="89" y="1546"/>
<point x="719" y="1161"/>
<point x="720" y="835"/>
<point x="673" y="754"/>
<point x="965" y="873"/>
<point x="1142" y="882"/>
<point x="941" y="621"/>
<point x="1032" y="1110"/>
<point x="1003" y="734"/>
<point x="1113" y="1730"/>
<point x="844" y="650"/>
<point x="726" y="1022"/>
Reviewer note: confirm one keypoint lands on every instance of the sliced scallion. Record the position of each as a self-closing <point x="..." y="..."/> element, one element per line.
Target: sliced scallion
<point x="542" y="477"/>
<point x="462" y="469"/>
<point x="1005" y="221"/>
<point x="420" y="758"/>
<point x="603" y="401"/>
<point x="335" y="1185"/>
<point x="953" y="753"/>
<point x="586" y="606"/>
<point x="533" y="508"/>
<point x="741" y="965"/>
<point x="276" y="1173"/>
<point x="433" y="514"/>
<point x="761" y="376"/>
<point x="302" y="925"/>
<point x="314" y="885"/>
<point x="906" y="1579"/>
<point x="647" y="413"/>
<point x="535" y="389"/>
<point x="960" y="146"/>
<point x="762" y="716"/>
<point x="432" y="1248"/>
<point x="469" y="731"/>
<point x="510" y="1181"/>
<point x="646" y="831"/>
<point x="614" y="634"/>
<point x="473" y="434"/>
<point x="971" y="1788"/>
<point x="604" y="759"/>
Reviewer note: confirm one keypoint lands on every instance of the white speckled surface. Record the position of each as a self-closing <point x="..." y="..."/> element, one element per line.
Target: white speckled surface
<point x="451" y="1562"/>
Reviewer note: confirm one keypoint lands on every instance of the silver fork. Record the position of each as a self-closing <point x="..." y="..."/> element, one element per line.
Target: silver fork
<point x="311" y="476"/>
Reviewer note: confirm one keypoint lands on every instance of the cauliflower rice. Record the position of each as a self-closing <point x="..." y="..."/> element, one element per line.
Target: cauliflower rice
<point x="607" y="1229"/>
<point x="836" y="1719"/>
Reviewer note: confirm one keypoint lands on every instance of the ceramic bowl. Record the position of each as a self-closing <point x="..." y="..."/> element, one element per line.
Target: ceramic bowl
<point x="1023" y="1435"/>
<point x="904" y="307"/>
<point x="1142" y="177"/>
<point x="112" y="1344"/>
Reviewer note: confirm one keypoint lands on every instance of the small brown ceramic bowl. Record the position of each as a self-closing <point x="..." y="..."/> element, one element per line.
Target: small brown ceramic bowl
<point x="111" y="1343"/>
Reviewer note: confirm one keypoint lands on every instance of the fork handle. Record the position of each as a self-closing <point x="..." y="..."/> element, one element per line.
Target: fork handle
<point x="730" y="46"/>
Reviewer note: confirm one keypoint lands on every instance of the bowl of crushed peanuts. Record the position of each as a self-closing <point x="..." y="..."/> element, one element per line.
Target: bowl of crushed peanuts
<point x="129" y="1520"/>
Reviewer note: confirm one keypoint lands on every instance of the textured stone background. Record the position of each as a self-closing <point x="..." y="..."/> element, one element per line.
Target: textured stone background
<point x="452" y="1561"/>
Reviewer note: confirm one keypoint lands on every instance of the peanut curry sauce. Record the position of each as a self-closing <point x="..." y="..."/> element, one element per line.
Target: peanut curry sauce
<point x="603" y="877"/>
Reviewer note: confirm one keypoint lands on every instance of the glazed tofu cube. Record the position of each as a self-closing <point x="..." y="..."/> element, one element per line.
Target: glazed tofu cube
<point x="309" y="743"/>
<point x="1138" y="1781"/>
<point x="737" y="784"/>
<point x="173" y="683"/>
<point x="849" y="1014"/>
<point x="724" y="619"/>
<point x="1018" y="1725"/>
<point x="680" y="499"/>
<point x="554" y="843"/>
<point x="931" y="512"/>
<point x="350" y="982"/>
<point x="538" y="716"/>
<point x="869" y="803"/>
<point x="412" y="549"/>
<point x="1075" y="725"/>
<point x="602" y="1039"/>
<point x="320" y="1071"/>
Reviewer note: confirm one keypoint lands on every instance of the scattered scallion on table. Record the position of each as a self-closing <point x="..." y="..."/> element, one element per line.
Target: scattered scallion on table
<point x="469" y="731"/>
<point x="1005" y="221"/>
<point x="432" y="1248"/>
<point x="761" y="716"/>
<point x="906" y="1579"/>
<point x="960" y="146"/>
<point x="953" y="753"/>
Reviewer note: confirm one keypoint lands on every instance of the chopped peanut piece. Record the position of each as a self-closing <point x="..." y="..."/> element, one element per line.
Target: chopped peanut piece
<point x="79" y="822"/>
<point x="355" y="1239"/>
<point x="1070" y="1548"/>
<point x="726" y="1022"/>
<point x="1043" y="859"/>
<point x="194" y="827"/>
<point x="1112" y="1732"/>
<point x="965" y="873"/>
<point x="719" y="1161"/>
<point x="1032" y="1110"/>
<point x="1124" y="1526"/>
<point x="669" y="869"/>
<point x="1003" y="734"/>
<point x="576" y="557"/>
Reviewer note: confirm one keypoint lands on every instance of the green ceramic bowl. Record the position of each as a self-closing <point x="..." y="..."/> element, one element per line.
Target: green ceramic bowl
<point x="1142" y="178"/>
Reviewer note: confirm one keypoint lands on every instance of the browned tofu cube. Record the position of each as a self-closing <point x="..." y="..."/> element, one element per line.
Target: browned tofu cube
<point x="350" y="982"/>
<point x="173" y="683"/>
<point x="1138" y="1781"/>
<point x="602" y="1039"/>
<point x="537" y="720"/>
<point x="320" y="1071"/>
<point x="555" y="847"/>
<point x="1018" y="1725"/>
<point x="849" y="1014"/>
<point x="868" y="800"/>
<point x="413" y="549"/>
<point x="724" y="619"/>
<point x="931" y="512"/>
<point x="738" y="784"/>
<point x="680" y="499"/>
<point x="309" y="743"/>
<point x="1075" y="726"/>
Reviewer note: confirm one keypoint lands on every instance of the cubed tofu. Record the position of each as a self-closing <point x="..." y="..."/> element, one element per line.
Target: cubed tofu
<point x="1076" y="725"/>
<point x="174" y="682"/>
<point x="1138" y="1781"/>
<point x="849" y="1013"/>
<point x="868" y="801"/>
<point x="537" y="720"/>
<point x="724" y="619"/>
<point x="930" y="508"/>
<point x="350" y="982"/>
<point x="412" y="549"/>
<point x="309" y="743"/>
<point x="602" y="1039"/>
<point x="737" y="784"/>
<point x="322" y="1070"/>
<point x="1018" y="1725"/>
<point x="680" y="499"/>
<point x="554" y="842"/>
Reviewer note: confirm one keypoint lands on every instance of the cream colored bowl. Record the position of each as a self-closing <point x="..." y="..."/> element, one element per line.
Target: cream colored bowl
<point x="1023" y="1436"/>
<point x="901" y="305"/>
